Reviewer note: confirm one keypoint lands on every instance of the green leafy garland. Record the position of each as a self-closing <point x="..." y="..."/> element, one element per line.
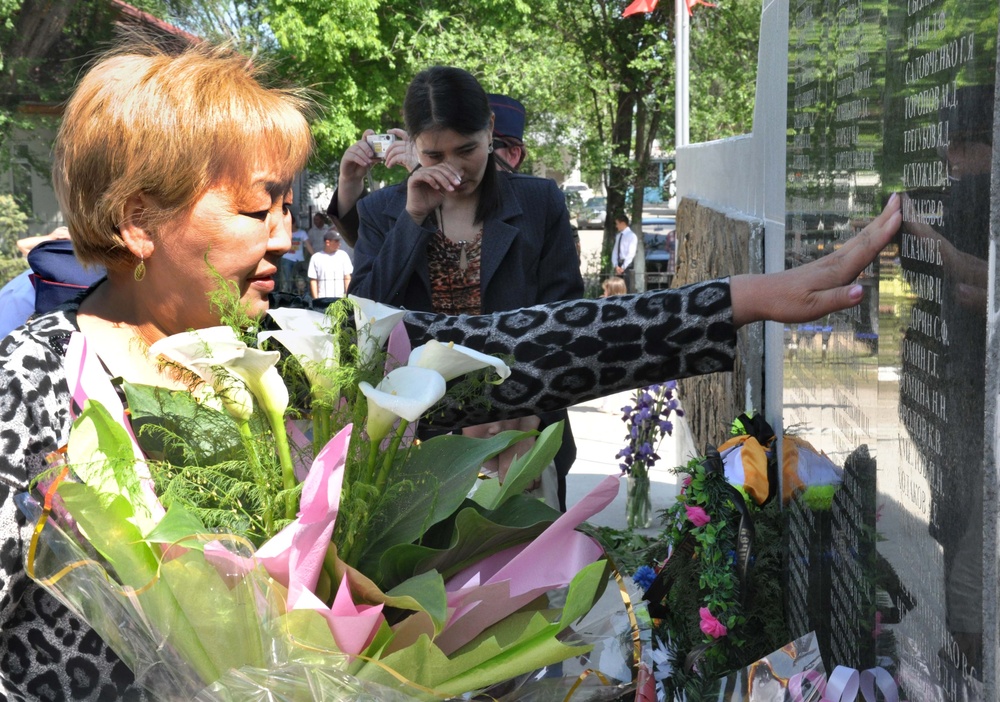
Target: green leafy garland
<point x="704" y="591"/>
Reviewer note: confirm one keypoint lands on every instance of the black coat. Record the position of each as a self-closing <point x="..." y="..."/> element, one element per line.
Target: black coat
<point x="528" y="252"/>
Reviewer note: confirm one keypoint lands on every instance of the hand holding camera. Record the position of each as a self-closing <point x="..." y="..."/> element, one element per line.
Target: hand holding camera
<point x="380" y="144"/>
<point x="391" y="148"/>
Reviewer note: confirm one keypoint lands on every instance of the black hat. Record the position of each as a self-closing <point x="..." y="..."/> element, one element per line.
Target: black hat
<point x="509" y="120"/>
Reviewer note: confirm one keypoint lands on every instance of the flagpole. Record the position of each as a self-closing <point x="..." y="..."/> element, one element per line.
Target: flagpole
<point x="682" y="24"/>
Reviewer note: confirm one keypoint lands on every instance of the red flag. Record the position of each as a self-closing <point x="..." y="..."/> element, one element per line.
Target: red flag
<point x="691" y="3"/>
<point x="642" y="6"/>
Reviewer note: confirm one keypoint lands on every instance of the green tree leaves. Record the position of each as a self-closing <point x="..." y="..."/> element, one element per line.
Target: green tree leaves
<point x="13" y="225"/>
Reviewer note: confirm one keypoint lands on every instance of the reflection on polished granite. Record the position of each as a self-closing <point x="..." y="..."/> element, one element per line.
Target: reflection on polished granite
<point x="896" y="97"/>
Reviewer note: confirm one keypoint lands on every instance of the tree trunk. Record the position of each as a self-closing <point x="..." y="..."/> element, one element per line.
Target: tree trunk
<point x="618" y="178"/>
<point x="39" y="25"/>
<point x="638" y="185"/>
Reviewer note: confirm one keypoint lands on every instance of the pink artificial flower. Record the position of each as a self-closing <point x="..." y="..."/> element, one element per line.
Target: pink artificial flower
<point x="710" y="625"/>
<point x="696" y="515"/>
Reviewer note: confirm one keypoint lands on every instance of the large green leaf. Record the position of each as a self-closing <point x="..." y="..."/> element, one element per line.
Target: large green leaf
<point x="523" y="471"/>
<point x="172" y="426"/>
<point x="427" y="484"/>
<point x="475" y="535"/>
<point x="105" y="523"/>
<point x="101" y="454"/>
<point x="424" y="592"/>
<point x="177" y="524"/>
<point x="224" y="619"/>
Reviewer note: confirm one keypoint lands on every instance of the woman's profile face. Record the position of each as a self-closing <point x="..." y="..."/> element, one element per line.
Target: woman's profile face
<point x="466" y="153"/>
<point x="239" y="231"/>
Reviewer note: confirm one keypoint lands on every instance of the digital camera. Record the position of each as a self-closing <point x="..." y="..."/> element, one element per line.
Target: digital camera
<point x="380" y="143"/>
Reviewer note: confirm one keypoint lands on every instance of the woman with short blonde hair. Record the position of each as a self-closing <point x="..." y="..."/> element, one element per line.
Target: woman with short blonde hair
<point x="166" y="127"/>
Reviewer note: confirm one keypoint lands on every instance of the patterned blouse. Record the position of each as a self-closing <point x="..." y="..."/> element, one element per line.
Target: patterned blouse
<point x="564" y="353"/>
<point x="453" y="268"/>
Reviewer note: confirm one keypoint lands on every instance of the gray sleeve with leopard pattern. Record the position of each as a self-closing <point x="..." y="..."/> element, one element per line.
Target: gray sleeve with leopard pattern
<point x="573" y="351"/>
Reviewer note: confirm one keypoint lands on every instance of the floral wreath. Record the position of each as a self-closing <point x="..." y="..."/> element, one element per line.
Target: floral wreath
<point x="716" y="600"/>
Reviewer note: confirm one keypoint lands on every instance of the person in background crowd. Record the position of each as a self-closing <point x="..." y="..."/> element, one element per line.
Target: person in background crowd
<point x="293" y="263"/>
<point x="355" y="166"/>
<point x="17" y="302"/>
<point x="463" y="235"/>
<point x="317" y="231"/>
<point x="613" y="286"/>
<point x="508" y="147"/>
<point x="53" y="276"/>
<point x="17" y="297"/>
<point x="459" y="235"/>
<point x="330" y="269"/>
<point x="25" y="245"/>
<point x="508" y="131"/>
<point x="623" y="252"/>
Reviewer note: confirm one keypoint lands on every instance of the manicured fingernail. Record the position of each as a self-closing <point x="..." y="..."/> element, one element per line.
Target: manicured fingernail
<point x="855" y="293"/>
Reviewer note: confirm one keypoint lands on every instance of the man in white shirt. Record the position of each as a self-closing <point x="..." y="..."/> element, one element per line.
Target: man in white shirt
<point x="330" y="269"/>
<point x="624" y="250"/>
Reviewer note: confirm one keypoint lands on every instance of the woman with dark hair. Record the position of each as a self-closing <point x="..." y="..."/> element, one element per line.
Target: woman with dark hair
<point x="459" y="236"/>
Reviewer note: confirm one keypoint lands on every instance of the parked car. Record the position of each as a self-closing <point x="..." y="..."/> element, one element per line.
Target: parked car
<point x="594" y="213"/>
<point x="582" y="189"/>
<point x="659" y="236"/>
<point x="574" y="203"/>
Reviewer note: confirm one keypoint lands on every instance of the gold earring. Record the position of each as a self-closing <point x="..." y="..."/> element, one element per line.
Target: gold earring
<point x="140" y="270"/>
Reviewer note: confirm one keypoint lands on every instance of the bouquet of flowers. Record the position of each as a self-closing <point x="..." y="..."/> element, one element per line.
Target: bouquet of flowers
<point x="226" y="554"/>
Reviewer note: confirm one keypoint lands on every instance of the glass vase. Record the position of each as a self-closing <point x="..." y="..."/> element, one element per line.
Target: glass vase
<point x="638" y="505"/>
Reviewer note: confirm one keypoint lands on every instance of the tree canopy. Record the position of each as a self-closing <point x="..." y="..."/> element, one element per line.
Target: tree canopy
<point x="597" y="85"/>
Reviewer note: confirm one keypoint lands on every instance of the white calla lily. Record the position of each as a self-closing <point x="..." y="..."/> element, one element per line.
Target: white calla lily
<point x="257" y="369"/>
<point x="222" y="360"/>
<point x="407" y="393"/>
<point x="302" y="333"/>
<point x="298" y="320"/>
<point x="453" y="360"/>
<point x="374" y="322"/>
<point x="217" y="355"/>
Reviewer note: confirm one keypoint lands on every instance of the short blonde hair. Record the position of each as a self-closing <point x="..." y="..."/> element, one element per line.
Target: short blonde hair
<point x="614" y="286"/>
<point x="168" y="126"/>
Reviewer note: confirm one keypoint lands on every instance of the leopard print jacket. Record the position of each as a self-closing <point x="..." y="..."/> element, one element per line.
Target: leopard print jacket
<point x="563" y="353"/>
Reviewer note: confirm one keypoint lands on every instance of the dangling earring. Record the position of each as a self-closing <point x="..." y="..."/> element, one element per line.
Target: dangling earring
<point x="489" y="149"/>
<point x="140" y="270"/>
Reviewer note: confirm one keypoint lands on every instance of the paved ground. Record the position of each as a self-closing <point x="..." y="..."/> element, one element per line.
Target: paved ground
<point x="600" y="434"/>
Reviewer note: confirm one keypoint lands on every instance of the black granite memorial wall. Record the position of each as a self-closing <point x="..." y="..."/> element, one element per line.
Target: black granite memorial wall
<point x="894" y="96"/>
